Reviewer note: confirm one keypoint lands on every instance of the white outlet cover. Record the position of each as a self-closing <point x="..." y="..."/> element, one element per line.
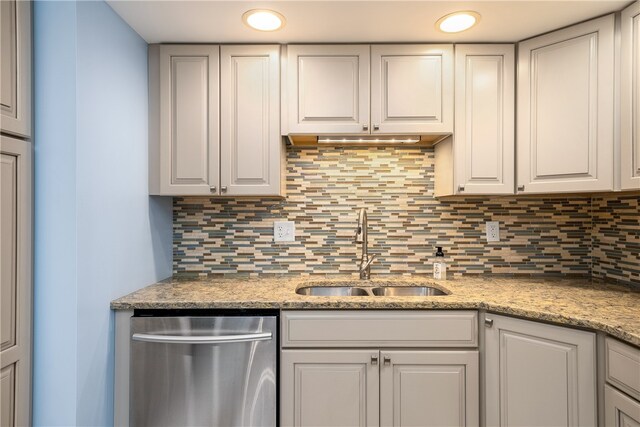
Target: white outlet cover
<point x="284" y="231"/>
<point x="493" y="231"/>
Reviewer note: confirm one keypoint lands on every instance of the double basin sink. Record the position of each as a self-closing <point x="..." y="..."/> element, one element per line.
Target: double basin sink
<point x="333" y="289"/>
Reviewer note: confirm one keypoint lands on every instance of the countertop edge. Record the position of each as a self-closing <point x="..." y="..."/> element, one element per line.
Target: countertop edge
<point x="613" y="330"/>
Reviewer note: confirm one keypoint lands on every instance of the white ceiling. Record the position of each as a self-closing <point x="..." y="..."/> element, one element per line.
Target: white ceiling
<point x="352" y="21"/>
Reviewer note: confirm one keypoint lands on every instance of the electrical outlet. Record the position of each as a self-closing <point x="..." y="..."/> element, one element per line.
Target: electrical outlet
<point x="493" y="231"/>
<point x="284" y="231"/>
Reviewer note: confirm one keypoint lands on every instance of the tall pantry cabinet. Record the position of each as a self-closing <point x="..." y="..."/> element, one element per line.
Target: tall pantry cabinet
<point x="15" y="213"/>
<point x="15" y="68"/>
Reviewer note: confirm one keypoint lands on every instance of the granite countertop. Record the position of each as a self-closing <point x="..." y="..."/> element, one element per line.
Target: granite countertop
<point x="578" y="302"/>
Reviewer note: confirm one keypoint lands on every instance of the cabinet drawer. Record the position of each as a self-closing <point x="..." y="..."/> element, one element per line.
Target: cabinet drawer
<point x="623" y="367"/>
<point x="379" y="329"/>
<point x="619" y="409"/>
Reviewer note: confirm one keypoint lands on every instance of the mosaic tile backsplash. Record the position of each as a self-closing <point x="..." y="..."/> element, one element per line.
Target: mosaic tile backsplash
<point x="616" y="237"/>
<point x="327" y="186"/>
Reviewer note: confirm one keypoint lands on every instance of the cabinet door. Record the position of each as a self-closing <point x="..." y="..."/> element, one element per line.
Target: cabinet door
<point x="565" y="109"/>
<point x="15" y="67"/>
<point x="538" y="374"/>
<point x="15" y="281"/>
<point x="329" y="388"/>
<point x="184" y="82"/>
<point x="429" y="388"/>
<point x="630" y="98"/>
<point x="328" y="89"/>
<point x="619" y="409"/>
<point x="484" y="131"/>
<point x="250" y="144"/>
<point x="412" y="89"/>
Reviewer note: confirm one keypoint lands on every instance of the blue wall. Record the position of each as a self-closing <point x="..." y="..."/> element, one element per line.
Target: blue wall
<point x="98" y="234"/>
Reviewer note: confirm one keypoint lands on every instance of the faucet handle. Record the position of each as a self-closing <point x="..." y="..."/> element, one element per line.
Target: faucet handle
<point x="369" y="262"/>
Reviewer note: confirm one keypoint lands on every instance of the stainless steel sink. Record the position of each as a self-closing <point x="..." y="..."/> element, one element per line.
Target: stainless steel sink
<point x="332" y="291"/>
<point x="407" y="291"/>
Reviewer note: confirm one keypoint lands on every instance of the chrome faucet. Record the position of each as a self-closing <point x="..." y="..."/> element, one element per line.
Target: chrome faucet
<point x="361" y="237"/>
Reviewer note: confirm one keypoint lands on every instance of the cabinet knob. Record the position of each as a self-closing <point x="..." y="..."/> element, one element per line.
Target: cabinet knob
<point x="387" y="360"/>
<point x="212" y="188"/>
<point x="223" y="189"/>
<point x="376" y="127"/>
<point x="488" y="322"/>
<point x="520" y="187"/>
<point x="374" y="359"/>
<point x="365" y="127"/>
<point x="460" y="188"/>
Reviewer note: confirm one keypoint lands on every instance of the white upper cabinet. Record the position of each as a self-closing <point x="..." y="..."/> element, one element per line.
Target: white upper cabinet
<point x="250" y="149"/>
<point x="214" y="126"/>
<point x="630" y="98"/>
<point x="565" y="112"/>
<point x="328" y="89"/>
<point x="484" y="141"/>
<point x="184" y="119"/>
<point x="412" y="89"/>
<point x="15" y="67"/>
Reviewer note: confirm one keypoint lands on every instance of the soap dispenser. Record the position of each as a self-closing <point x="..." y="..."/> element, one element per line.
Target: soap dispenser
<point x="439" y="266"/>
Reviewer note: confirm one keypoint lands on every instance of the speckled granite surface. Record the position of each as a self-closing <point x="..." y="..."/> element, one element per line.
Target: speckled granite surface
<point x="578" y="302"/>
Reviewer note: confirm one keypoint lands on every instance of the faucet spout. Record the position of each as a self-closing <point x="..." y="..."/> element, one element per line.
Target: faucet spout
<point x="361" y="237"/>
<point x="361" y="230"/>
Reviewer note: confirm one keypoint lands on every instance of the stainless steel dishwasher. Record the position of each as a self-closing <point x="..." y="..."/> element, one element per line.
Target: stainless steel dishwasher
<point x="203" y="371"/>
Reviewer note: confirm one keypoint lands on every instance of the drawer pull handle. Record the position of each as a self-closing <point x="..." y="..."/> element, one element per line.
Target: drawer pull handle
<point x="488" y="323"/>
<point x="374" y="359"/>
<point x="387" y="360"/>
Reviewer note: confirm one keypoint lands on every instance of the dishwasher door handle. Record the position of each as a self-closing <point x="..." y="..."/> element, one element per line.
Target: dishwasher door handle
<point x="209" y="339"/>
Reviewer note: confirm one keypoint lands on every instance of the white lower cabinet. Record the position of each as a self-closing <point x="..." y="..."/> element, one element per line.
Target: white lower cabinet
<point x="329" y="388"/>
<point x="379" y="387"/>
<point x="538" y="374"/>
<point x="622" y="391"/>
<point x="379" y="368"/>
<point x="619" y="409"/>
<point x="429" y="388"/>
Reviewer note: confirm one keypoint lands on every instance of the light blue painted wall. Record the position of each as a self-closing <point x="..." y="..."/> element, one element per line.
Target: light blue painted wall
<point x="107" y="237"/>
<point x="55" y="249"/>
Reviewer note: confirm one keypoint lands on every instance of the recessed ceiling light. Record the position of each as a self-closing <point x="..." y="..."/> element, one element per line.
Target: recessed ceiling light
<point x="263" y="19"/>
<point x="458" y="21"/>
